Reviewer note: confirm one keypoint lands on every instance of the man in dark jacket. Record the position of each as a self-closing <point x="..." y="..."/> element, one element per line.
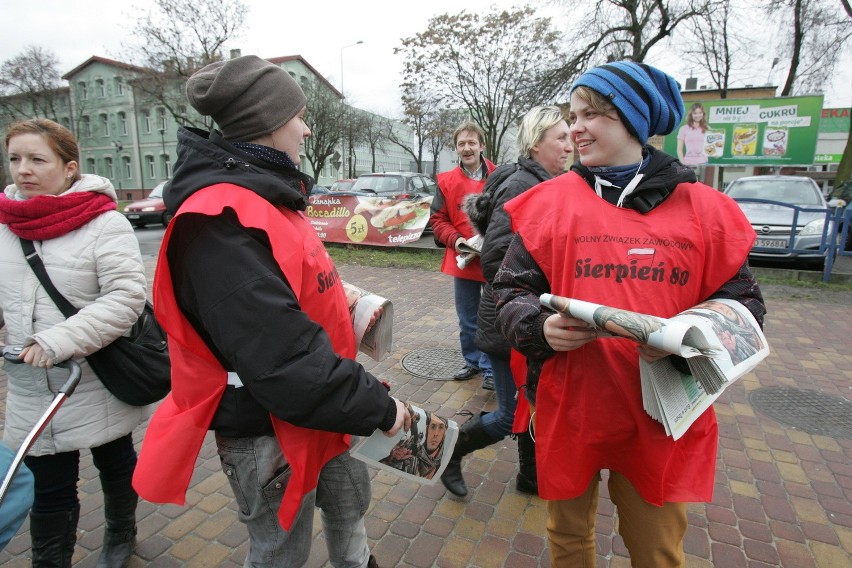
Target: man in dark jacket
<point x="261" y="342"/>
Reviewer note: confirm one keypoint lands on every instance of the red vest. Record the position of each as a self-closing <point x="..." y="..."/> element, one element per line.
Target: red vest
<point x="455" y="186"/>
<point x="178" y="427"/>
<point x="589" y="413"/>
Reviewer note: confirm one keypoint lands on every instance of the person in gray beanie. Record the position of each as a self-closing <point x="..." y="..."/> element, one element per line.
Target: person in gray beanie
<point x="261" y="355"/>
<point x="629" y="227"/>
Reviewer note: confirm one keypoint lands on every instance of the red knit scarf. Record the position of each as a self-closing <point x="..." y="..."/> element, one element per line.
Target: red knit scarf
<point x="46" y="217"/>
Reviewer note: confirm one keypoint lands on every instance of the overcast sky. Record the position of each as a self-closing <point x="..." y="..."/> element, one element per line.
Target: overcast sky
<point x="315" y="29"/>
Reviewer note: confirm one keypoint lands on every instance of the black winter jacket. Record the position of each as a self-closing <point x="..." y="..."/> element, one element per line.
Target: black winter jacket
<point x="490" y="219"/>
<point x="233" y="292"/>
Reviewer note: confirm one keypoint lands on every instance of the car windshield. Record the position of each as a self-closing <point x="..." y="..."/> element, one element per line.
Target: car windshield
<point x="157" y="192"/>
<point x="787" y="191"/>
<point x="378" y="184"/>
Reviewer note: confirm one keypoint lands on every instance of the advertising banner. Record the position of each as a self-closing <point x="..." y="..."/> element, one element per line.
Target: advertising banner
<point x="358" y="219"/>
<point x="754" y="132"/>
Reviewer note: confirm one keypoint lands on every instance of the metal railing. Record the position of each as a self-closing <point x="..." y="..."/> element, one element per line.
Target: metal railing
<point x="832" y="242"/>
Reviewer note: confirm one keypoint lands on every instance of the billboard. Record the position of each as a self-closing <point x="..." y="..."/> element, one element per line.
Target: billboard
<point x="368" y="220"/>
<point x="748" y="132"/>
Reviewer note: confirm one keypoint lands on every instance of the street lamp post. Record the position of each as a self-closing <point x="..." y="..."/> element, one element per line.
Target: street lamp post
<point x="116" y="168"/>
<point x="163" y="143"/>
<point x="342" y="117"/>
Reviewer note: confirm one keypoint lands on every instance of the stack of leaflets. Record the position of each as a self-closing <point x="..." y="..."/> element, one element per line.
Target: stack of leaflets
<point x="720" y="340"/>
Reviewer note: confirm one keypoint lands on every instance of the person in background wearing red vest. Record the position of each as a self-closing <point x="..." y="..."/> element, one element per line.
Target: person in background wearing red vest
<point x="260" y="336"/>
<point x="624" y="207"/>
<point x="451" y="227"/>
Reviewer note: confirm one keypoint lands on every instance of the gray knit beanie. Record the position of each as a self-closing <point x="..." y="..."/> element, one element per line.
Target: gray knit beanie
<point x="247" y="96"/>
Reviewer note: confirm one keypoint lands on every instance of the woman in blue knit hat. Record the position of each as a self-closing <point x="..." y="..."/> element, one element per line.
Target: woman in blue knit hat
<point x="629" y="227"/>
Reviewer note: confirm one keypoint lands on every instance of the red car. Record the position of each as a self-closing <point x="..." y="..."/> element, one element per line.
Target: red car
<point x="152" y="209"/>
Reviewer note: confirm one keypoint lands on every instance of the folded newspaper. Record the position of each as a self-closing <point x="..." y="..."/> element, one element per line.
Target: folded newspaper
<point x="372" y="319"/>
<point x="420" y="455"/>
<point x="720" y="340"/>
<point x="469" y="250"/>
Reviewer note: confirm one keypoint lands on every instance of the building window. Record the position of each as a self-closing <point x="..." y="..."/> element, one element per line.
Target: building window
<point x="86" y="126"/>
<point x="90" y="166"/>
<point x="161" y="119"/>
<point x="146" y="115"/>
<point x="82" y="90"/>
<point x="100" y="90"/>
<point x="181" y="118"/>
<point x="152" y="172"/>
<point x="122" y="123"/>
<point x="128" y="172"/>
<point x="105" y="124"/>
<point x="119" y="86"/>
<point x="109" y="171"/>
<point x="167" y="166"/>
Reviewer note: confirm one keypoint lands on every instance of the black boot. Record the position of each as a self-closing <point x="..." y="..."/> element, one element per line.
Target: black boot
<point x="120" y="531"/>
<point x="472" y="436"/>
<point x="54" y="536"/>
<point x="526" y="481"/>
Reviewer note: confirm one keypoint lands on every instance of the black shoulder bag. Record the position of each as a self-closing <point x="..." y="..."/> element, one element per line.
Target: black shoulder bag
<point x="135" y="369"/>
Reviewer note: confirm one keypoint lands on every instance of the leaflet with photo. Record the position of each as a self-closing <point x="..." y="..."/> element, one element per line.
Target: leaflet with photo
<point x="420" y="455"/>
<point x="372" y="320"/>
<point x="720" y="340"/>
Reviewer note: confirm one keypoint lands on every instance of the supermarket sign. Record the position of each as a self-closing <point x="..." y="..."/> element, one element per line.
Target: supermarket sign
<point x="755" y="132"/>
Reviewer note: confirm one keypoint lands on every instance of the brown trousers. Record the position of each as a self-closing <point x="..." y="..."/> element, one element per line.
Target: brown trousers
<point x="653" y="535"/>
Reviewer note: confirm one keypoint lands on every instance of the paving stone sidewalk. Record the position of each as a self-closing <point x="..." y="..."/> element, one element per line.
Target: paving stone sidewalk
<point x="782" y="495"/>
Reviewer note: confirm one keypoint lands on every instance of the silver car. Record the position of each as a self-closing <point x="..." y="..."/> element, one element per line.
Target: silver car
<point x="773" y="222"/>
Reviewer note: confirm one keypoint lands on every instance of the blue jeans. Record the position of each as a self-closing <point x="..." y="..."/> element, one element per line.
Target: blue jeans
<point x="467" y="294"/>
<point x="258" y="474"/>
<point x="498" y="424"/>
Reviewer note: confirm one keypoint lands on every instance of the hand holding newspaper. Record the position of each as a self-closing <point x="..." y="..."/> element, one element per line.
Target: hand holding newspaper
<point x="420" y="455"/>
<point x="719" y="338"/>
<point x="372" y="320"/>
<point x="469" y="250"/>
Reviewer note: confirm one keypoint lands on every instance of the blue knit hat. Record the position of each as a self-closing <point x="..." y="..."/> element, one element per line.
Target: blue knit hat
<point x="648" y="101"/>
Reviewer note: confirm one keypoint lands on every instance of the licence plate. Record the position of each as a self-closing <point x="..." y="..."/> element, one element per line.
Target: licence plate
<point x="771" y="243"/>
<point x="133" y="216"/>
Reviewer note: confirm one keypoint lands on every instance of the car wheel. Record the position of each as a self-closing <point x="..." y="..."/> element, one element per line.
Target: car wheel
<point x="167" y="218"/>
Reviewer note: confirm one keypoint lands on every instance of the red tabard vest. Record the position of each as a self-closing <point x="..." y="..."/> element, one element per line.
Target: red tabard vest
<point x="589" y="413"/>
<point x="178" y="427"/>
<point x="455" y="185"/>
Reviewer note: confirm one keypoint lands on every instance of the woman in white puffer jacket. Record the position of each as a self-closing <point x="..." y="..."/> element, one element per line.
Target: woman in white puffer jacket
<point x="93" y="259"/>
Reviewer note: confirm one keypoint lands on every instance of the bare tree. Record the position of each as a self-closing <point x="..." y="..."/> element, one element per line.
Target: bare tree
<point x="30" y="85"/>
<point x="375" y="134"/>
<point x="717" y="44"/>
<point x="354" y="133"/>
<point x="813" y="32"/>
<point x="176" y="38"/>
<point x="323" y="118"/>
<point x="495" y="66"/>
<point x="419" y="104"/>
<point x="613" y="30"/>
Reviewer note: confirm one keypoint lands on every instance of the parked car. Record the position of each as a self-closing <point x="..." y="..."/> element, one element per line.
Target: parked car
<point x="396" y="185"/>
<point x="773" y="222"/>
<point x="319" y="189"/>
<point x="342" y="185"/>
<point x="149" y="210"/>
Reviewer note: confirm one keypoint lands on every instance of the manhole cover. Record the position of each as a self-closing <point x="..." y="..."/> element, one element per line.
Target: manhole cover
<point x="806" y="410"/>
<point x="438" y="363"/>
